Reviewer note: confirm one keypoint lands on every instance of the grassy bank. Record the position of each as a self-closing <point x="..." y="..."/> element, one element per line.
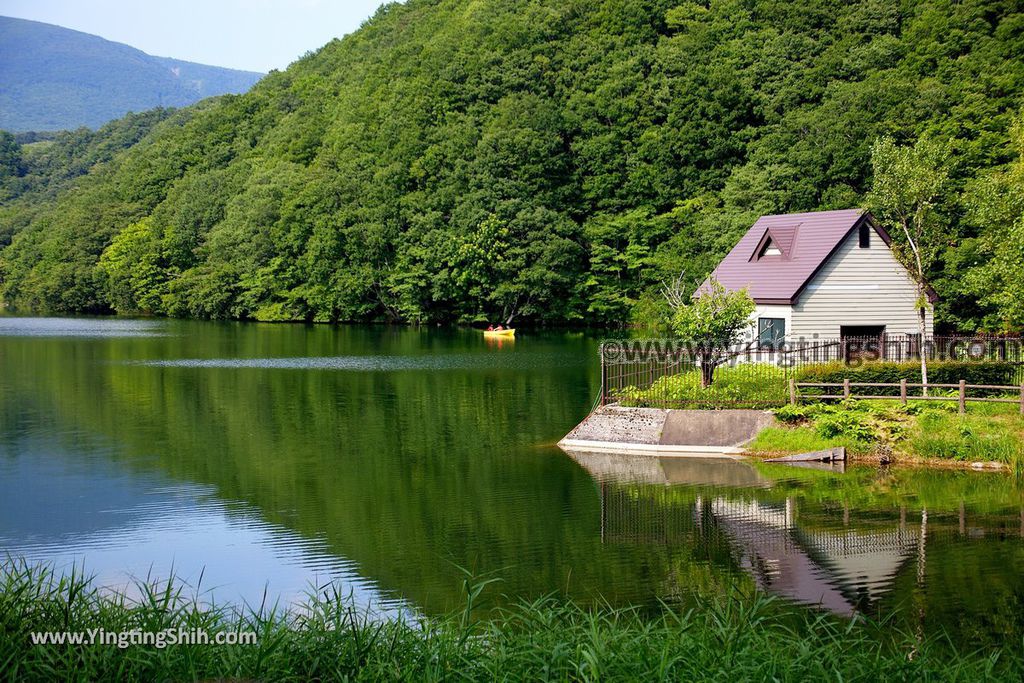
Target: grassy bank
<point x="919" y="430"/>
<point x="729" y="638"/>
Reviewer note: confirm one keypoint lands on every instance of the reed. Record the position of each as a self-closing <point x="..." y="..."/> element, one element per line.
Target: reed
<point x="730" y="638"/>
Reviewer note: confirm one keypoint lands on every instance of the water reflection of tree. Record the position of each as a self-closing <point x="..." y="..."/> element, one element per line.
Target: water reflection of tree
<point x="405" y="473"/>
<point x="952" y="568"/>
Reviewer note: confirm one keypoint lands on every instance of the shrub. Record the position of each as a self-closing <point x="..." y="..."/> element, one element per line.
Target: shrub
<point x="843" y="423"/>
<point x="939" y="372"/>
<point x="749" y="385"/>
<point x="846" y="419"/>
<point x="795" y="414"/>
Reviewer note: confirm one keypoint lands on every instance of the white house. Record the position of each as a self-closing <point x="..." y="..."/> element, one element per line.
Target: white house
<point x="822" y="275"/>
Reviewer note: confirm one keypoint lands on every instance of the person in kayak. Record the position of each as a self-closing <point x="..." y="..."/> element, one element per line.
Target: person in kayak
<point x="490" y="328"/>
<point x="500" y="328"/>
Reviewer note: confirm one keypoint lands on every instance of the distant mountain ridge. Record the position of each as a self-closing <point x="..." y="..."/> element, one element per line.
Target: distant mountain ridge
<point x="54" y="78"/>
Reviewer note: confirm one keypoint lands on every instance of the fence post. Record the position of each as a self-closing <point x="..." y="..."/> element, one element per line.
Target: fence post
<point x="846" y="387"/>
<point x="1022" y="399"/>
<point x="604" y="376"/>
<point x="792" y="392"/>
<point x="963" y="396"/>
<point x="903" y="391"/>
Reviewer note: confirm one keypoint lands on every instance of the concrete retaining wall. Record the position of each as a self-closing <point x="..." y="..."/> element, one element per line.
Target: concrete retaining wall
<point x="615" y="429"/>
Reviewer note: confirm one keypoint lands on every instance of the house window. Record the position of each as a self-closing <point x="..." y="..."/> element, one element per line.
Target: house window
<point x="771" y="332"/>
<point x="865" y="236"/>
<point x="770" y="249"/>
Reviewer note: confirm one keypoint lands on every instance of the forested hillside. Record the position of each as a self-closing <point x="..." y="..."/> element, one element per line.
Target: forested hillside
<point x="53" y="78"/>
<point x="460" y="160"/>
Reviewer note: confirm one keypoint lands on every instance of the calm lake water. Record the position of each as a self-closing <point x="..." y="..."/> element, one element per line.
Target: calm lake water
<point x="280" y="457"/>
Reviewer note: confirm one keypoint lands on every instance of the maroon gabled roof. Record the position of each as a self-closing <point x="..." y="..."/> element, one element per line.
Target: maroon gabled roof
<point x="806" y="241"/>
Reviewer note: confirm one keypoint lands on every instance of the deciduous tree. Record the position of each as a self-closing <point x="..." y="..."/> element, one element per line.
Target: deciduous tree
<point x="711" y="322"/>
<point x="908" y="183"/>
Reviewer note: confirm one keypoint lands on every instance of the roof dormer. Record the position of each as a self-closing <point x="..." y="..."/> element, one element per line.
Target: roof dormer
<point x="775" y="243"/>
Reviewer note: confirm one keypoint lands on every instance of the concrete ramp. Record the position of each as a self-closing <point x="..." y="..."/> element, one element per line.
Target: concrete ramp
<point x="655" y="431"/>
<point x="621" y="425"/>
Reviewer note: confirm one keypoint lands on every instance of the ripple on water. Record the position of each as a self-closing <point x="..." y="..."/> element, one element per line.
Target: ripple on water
<point x="130" y="527"/>
<point x="225" y="553"/>
<point x="376" y="363"/>
<point x="79" y="327"/>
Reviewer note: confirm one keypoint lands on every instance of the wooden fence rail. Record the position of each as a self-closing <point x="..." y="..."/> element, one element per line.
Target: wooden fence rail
<point x="962" y="387"/>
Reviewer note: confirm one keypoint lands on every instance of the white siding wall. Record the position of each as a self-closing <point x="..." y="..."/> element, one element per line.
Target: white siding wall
<point x="857" y="287"/>
<point x="768" y="311"/>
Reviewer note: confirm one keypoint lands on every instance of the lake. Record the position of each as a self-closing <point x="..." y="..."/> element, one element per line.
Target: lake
<point x="388" y="459"/>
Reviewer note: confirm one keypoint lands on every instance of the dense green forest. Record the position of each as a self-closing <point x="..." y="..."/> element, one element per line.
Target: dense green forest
<point x="462" y="160"/>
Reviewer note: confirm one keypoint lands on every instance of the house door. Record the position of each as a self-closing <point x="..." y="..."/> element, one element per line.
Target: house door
<point x="862" y="342"/>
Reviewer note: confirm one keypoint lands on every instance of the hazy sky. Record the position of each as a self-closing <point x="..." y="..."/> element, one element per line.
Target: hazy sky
<point x="257" y="35"/>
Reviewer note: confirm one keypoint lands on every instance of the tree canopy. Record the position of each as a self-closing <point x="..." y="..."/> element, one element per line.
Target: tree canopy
<point x="465" y="161"/>
<point x="713" y="323"/>
<point x="908" y="183"/>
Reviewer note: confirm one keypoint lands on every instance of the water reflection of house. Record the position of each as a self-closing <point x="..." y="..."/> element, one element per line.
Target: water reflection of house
<point x="839" y="568"/>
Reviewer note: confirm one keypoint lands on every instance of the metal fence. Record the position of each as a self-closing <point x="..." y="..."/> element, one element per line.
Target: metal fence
<point x="903" y="348"/>
<point x="667" y="373"/>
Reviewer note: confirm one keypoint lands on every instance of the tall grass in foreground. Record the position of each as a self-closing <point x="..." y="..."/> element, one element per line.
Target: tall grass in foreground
<point x="730" y="639"/>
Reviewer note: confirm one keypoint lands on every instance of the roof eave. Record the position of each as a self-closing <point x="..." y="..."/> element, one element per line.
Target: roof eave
<point x="879" y="228"/>
<point x="764" y="301"/>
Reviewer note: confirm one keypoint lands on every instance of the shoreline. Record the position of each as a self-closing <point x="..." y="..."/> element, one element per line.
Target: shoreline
<point x="450" y="324"/>
<point x="729" y="434"/>
<point x="900" y="460"/>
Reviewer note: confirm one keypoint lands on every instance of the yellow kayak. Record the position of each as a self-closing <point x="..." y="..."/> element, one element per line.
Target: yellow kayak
<point x="500" y="333"/>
